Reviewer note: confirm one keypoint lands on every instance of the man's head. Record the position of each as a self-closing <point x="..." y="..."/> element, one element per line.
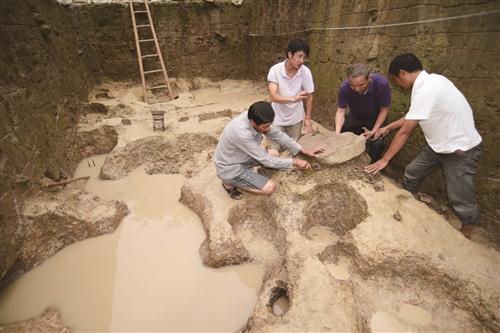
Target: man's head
<point x="297" y="52"/>
<point x="404" y="69"/>
<point x="359" y="78"/>
<point x="261" y="116"/>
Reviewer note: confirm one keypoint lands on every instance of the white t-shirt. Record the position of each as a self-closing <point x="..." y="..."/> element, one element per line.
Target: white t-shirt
<point x="444" y="114"/>
<point x="291" y="113"/>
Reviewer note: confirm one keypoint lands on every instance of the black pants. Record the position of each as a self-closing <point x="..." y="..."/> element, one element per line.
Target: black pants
<point x="375" y="148"/>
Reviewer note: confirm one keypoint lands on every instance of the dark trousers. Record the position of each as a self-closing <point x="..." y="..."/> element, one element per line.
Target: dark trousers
<point x="459" y="171"/>
<point x="375" y="148"/>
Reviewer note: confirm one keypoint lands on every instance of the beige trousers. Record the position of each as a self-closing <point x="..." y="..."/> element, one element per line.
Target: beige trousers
<point x="293" y="131"/>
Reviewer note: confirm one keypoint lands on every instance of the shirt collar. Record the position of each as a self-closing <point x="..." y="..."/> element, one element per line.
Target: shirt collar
<point x="420" y="79"/>
<point x="249" y="126"/>
<point x="283" y="71"/>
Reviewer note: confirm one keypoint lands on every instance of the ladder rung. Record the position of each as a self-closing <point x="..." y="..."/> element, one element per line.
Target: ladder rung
<point x="143" y="25"/>
<point x="140" y="11"/>
<point x="157" y="87"/>
<point x="154" y="71"/>
<point x="149" y="55"/>
<point x="146" y="40"/>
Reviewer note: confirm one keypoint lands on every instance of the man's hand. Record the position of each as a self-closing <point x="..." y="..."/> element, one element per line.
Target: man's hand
<point x="313" y="152"/>
<point x="367" y="133"/>
<point x="381" y="132"/>
<point x="300" y="97"/>
<point x="377" y="166"/>
<point x="301" y="164"/>
<point x="308" y="127"/>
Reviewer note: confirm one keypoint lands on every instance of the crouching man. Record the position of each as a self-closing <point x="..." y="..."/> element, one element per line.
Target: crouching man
<point x="239" y="150"/>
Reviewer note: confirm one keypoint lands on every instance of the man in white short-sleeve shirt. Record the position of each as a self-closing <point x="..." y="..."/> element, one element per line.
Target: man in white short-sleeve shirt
<point x="453" y="143"/>
<point x="290" y="88"/>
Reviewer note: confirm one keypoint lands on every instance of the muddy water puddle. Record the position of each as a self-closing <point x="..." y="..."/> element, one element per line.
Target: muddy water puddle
<point x="146" y="276"/>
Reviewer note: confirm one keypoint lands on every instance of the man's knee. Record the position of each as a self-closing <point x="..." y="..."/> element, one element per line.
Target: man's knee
<point x="375" y="149"/>
<point x="410" y="183"/>
<point x="269" y="188"/>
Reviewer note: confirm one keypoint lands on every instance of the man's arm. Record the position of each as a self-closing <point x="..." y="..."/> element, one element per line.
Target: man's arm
<point x="382" y="116"/>
<point x="253" y="149"/>
<point x="284" y="140"/>
<point x="405" y="130"/>
<point x="383" y="131"/>
<point x="277" y="98"/>
<point x="308" y="117"/>
<point x="339" y="119"/>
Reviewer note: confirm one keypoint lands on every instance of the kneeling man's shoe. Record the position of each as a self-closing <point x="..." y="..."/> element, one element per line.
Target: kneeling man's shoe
<point x="233" y="192"/>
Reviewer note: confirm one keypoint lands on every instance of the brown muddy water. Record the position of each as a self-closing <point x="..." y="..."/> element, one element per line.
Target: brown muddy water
<point x="146" y="276"/>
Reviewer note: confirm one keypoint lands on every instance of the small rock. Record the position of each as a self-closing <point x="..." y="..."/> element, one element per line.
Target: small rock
<point x="379" y="187"/>
<point x="126" y="121"/>
<point x="237" y="3"/>
<point x="397" y="216"/>
<point x="182" y="119"/>
<point x="94" y="108"/>
<point x="102" y="94"/>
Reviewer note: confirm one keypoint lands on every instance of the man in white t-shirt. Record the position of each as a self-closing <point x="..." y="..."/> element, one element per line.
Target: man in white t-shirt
<point x="453" y="142"/>
<point x="290" y="88"/>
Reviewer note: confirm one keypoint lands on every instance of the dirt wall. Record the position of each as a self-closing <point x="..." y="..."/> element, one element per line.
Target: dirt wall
<point x="464" y="50"/>
<point x="52" y="54"/>
<point x="42" y="81"/>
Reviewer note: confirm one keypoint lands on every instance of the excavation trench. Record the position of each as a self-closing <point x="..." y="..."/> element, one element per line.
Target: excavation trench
<point x="148" y="274"/>
<point x="332" y="250"/>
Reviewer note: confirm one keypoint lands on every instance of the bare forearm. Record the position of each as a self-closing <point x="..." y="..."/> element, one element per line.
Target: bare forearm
<point x="309" y="106"/>
<point x="339" y="120"/>
<point x="382" y="116"/>
<point x="396" y="124"/>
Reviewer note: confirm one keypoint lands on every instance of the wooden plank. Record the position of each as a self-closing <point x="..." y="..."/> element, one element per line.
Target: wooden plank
<point x="157" y="87"/>
<point x="64" y="182"/>
<point x="154" y="71"/>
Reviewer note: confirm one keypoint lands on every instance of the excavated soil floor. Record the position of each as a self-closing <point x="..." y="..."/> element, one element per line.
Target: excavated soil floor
<point x="147" y="275"/>
<point x="332" y="250"/>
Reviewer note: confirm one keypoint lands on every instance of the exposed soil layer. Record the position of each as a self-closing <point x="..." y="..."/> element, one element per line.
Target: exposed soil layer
<point x="54" y="54"/>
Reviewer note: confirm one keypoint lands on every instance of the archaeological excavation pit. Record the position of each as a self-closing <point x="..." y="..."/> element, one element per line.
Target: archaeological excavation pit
<point x="110" y="223"/>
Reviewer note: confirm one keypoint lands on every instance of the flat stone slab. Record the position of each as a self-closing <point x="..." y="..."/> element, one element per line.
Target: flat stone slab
<point x="339" y="148"/>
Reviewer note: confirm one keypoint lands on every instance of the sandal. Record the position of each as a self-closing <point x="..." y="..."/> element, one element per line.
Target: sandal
<point x="233" y="192"/>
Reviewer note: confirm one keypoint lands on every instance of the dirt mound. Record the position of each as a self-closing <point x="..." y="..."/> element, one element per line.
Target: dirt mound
<point x="51" y="221"/>
<point x="158" y="155"/>
<point x="48" y="322"/>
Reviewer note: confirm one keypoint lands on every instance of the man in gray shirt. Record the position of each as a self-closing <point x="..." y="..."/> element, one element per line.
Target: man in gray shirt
<point x="239" y="150"/>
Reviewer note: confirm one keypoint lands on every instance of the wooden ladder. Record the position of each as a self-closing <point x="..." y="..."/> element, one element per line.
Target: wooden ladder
<point x="149" y="63"/>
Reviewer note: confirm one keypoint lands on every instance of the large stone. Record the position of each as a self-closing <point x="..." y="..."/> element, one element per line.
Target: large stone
<point x="338" y="147"/>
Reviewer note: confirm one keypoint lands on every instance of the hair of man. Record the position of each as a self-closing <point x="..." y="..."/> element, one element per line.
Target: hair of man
<point x="407" y="62"/>
<point x="296" y="45"/>
<point x="357" y="70"/>
<point x="261" y="113"/>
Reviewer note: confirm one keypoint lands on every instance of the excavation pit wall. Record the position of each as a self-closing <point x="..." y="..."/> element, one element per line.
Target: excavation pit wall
<point x="92" y="41"/>
<point x="44" y="93"/>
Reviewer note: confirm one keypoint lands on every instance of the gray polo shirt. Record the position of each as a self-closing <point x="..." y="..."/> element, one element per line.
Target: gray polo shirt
<point x="239" y="148"/>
